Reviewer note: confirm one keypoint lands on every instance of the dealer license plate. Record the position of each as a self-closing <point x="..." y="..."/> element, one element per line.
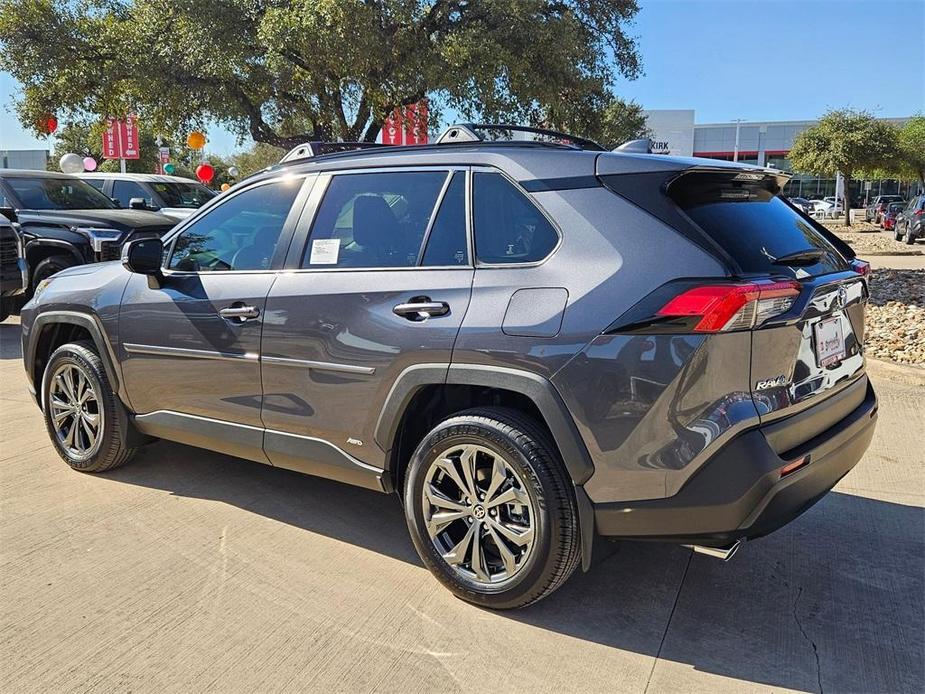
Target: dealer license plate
<point x="830" y="341"/>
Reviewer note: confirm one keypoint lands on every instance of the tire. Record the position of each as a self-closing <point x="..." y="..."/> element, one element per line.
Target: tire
<point x="4" y="310"/>
<point x="47" y="267"/>
<point x="910" y="236"/>
<point x="541" y="496"/>
<point x="897" y="234"/>
<point x="108" y="450"/>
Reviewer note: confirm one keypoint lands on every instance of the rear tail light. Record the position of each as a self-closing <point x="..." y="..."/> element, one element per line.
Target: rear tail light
<point x="862" y="267"/>
<point x="918" y="213"/>
<point x="724" y="307"/>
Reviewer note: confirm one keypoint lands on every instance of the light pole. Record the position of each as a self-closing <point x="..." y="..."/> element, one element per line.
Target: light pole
<point x="735" y="151"/>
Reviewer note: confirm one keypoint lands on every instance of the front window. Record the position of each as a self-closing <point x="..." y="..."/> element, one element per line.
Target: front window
<point x="189" y="196"/>
<point x="57" y="193"/>
<point x="239" y="234"/>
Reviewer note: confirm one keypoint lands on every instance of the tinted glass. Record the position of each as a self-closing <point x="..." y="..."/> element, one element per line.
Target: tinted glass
<point x="189" y="195"/>
<point x="96" y="183"/>
<point x="41" y="193"/>
<point x="508" y="227"/>
<point x="447" y="243"/>
<point x="240" y="234"/>
<point x="124" y="191"/>
<point x="752" y="224"/>
<point x="373" y="220"/>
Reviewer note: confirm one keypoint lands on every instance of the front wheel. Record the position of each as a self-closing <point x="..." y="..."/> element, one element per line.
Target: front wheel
<point x="81" y="411"/>
<point x="491" y="510"/>
<point x="910" y="237"/>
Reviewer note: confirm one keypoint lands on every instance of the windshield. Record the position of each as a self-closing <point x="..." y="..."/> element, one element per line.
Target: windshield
<point x="189" y="195"/>
<point x="43" y="193"/>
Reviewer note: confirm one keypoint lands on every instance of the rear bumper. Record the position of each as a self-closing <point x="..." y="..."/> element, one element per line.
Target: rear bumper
<point x="739" y="493"/>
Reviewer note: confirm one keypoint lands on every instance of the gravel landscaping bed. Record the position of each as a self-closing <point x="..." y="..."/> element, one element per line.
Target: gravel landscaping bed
<point x="860" y="237"/>
<point x="896" y="316"/>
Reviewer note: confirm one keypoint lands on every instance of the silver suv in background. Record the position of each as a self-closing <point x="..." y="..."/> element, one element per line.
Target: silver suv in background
<point x="529" y="342"/>
<point x="174" y="196"/>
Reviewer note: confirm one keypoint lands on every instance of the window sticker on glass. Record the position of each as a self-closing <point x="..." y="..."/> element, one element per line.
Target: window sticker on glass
<point x="325" y="252"/>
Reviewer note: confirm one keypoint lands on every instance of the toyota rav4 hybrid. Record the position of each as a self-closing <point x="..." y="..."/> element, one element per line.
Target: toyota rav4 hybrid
<point x="529" y="342"/>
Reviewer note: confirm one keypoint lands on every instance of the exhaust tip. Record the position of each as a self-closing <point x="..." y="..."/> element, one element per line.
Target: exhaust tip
<point x="722" y="553"/>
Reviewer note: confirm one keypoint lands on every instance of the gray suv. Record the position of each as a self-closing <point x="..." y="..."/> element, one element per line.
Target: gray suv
<point x="529" y="342"/>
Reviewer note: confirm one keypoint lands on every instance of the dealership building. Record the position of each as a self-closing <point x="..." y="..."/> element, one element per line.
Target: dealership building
<point x="766" y="143"/>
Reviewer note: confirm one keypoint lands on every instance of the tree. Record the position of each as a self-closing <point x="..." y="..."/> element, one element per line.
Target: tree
<point x="286" y="72"/>
<point x="258" y="157"/>
<point x="86" y="139"/>
<point x="910" y="151"/>
<point x="847" y="141"/>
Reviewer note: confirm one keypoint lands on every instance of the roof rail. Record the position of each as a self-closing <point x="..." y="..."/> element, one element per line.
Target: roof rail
<point x="642" y="146"/>
<point x="307" y="150"/>
<point x="485" y="132"/>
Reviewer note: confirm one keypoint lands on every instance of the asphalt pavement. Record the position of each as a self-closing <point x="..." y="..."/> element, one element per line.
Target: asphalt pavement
<point x="189" y="571"/>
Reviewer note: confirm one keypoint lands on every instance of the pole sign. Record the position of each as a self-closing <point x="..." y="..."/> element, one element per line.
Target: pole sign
<point x="112" y="148"/>
<point x="406" y="126"/>
<point x="120" y="139"/>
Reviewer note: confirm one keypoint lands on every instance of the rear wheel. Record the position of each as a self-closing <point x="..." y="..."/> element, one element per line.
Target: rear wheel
<point x="81" y="410"/>
<point x="910" y="237"/>
<point x="491" y="510"/>
<point x="897" y="233"/>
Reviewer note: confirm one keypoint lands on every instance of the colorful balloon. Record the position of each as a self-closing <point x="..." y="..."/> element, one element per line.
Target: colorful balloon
<point x="71" y="163"/>
<point x="47" y="124"/>
<point x="169" y="168"/>
<point x="89" y="164"/>
<point x="205" y="172"/>
<point x="196" y="140"/>
<point x="225" y="186"/>
<point x="233" y="171"/>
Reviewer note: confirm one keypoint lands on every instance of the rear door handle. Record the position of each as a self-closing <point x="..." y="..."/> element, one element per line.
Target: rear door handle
<point x="421" y="308"/>
<point x="238" y="313"/>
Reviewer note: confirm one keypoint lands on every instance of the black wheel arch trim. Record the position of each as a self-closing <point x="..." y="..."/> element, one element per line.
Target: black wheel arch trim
<point x="97" y="333"/>
<point x="540" y="390"/>
<point x="67" y="246"/>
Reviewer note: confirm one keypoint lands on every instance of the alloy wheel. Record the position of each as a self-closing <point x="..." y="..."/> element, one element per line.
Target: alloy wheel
<point x="76" y="415"/>
<point x="478" y="514"/>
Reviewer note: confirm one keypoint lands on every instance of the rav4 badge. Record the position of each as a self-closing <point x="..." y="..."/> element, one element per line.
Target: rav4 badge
<point x="771" y="383"/>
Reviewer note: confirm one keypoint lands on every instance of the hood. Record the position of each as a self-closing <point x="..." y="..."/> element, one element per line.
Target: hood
<point x="115" y="219"/>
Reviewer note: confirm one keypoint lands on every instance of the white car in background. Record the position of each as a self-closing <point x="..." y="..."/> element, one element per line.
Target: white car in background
<point x="174" y="196"/>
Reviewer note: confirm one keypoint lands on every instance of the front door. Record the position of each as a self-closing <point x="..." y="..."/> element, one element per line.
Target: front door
<point x="381" y="283"/>
<point x="191" y="347"/>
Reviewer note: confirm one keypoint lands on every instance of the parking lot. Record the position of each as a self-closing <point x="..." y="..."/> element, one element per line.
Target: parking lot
<point x="191" y="571"/>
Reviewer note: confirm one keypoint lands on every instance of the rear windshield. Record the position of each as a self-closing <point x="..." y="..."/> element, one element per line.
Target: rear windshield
<point x="754" y="225"/>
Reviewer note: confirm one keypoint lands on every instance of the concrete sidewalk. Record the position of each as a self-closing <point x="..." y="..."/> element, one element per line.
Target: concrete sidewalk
<point x="191" y="571"/>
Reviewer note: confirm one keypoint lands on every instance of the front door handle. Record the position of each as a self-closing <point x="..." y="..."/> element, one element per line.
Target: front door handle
<point x="421" y="308"/>
<point x="239" y="313"/>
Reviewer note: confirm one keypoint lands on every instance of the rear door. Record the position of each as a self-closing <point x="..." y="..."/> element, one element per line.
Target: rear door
<point x="811" y="347"/>
<point x="379" y="278"/>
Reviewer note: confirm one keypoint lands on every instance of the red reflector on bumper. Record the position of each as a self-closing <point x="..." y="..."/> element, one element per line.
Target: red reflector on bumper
<point x="795" y="465"/>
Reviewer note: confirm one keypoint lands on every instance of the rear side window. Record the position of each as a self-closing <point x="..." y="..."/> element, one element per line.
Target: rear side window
<point x="509" y="228"/>
<point x="446" y="244"/>
<point x="753" y="225"/>
<point x="124" y="191"/>
<point x="373" y="220"/>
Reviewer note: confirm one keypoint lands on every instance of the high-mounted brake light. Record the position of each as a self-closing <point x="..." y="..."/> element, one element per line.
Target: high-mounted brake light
<point x="862" y="267"/>
<point x="723" y="307"/>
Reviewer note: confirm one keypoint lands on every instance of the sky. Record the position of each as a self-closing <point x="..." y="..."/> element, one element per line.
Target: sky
<point x="729" y="59"/>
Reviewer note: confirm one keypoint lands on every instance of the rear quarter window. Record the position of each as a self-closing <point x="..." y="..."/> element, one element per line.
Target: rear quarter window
<point x="751" y="223"/>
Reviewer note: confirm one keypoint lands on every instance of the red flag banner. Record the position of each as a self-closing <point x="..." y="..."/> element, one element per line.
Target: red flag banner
<point x="406" y="126"/>
<point x="112" y="147"/>
<point x="129" y="132"/>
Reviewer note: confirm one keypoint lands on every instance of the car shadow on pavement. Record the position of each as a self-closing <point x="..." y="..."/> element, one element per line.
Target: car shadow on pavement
<point x="10" y="344"/>
<point x="832" y="601"/>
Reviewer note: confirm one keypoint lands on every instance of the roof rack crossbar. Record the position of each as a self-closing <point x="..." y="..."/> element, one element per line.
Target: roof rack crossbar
<point x="469" y="132"/>
<point x="316" y="148"/>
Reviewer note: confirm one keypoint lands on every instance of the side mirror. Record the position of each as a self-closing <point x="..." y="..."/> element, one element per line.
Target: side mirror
<point x="144" y="256"/>
<point x="9" y="213"/>
<point x="137" y="204"/>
